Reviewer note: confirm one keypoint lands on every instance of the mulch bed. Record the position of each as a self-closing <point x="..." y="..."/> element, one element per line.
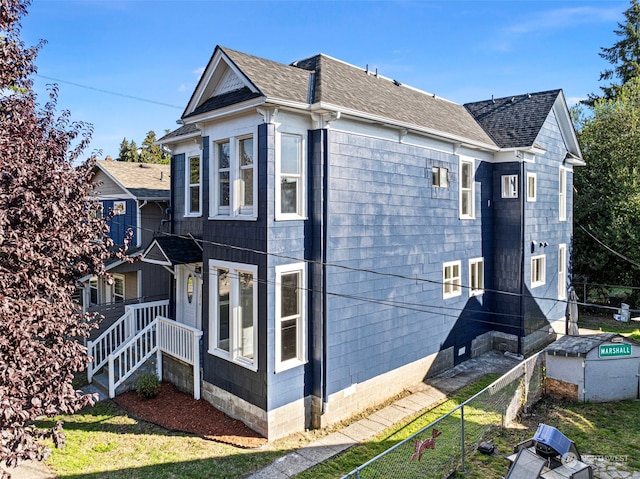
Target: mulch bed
<point x="177" y="411"/>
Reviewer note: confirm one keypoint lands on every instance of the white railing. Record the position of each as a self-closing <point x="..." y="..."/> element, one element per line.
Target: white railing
<point x="124" y="361"/>
<point x="135" y="318"/>
<point x="182" y="342"/>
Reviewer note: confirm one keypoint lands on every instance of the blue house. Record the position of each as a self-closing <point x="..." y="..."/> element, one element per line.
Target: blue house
<point x="337" y="236"/>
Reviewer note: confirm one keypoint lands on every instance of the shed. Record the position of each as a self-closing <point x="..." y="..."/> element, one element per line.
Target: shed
<point x="596" y="367"/>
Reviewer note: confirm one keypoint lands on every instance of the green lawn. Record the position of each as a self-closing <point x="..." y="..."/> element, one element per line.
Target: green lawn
<point x="606" y="323"/>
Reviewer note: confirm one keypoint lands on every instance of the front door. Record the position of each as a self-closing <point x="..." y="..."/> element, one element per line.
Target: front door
<point x="189" y="294"/>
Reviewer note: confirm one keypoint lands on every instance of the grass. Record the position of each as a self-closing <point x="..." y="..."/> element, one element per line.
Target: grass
<point x="606" y="323"/>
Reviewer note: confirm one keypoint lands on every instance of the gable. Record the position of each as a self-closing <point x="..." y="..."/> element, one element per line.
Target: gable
<point x="107" y="187"/>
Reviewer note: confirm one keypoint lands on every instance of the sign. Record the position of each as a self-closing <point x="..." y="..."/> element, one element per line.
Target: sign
<point x="614" y="350"/>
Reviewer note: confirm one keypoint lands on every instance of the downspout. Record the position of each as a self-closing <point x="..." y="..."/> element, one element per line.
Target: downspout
<point x="522" y="253"/>
<point x="139" y="223"/>
<point x="325" y="215"/>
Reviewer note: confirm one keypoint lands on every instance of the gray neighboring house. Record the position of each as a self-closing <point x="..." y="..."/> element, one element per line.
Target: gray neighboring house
<point x="138" y="194"/>
<point x="337" y="236"/>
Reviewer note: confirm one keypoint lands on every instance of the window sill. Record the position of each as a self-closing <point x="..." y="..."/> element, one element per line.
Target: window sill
<point x="451" y="295"/>
<point x="219" y="353"/>
<point x="232" y="218"/>
<point x="290" y="364"/>
<point x="536" y="285"/>
<point x="291" y="218"/>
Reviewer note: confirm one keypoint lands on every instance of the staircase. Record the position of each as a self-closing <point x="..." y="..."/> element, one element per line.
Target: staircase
<point x="135" y="343"/>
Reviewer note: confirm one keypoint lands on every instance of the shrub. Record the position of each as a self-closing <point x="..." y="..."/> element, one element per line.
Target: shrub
<point x="148" y="386"/>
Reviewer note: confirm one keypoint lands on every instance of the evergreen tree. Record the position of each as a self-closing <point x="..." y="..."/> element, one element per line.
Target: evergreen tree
<point x="151" y="153"/>
<point x="129" y="151"/>
<point x="48" y="233"/>
<point x="624" y="55"/>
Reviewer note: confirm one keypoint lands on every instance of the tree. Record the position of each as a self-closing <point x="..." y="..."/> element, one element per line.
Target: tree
<point x="607" y="198"/>
<point x="129" y="151"/>
<point x="48" y="232"/>
<point x="624" y="55"/>
<point x="152" y="153"/>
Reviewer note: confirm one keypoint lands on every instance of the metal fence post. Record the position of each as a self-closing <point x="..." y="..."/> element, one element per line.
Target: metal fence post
<point x="462" y="435"/>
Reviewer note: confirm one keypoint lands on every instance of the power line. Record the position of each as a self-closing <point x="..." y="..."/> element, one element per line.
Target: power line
<point x="108" y="92"/>
<point x="629" y="260"/>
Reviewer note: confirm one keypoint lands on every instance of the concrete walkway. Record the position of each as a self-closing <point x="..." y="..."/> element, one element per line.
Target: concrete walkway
<point x="423" y="396"/>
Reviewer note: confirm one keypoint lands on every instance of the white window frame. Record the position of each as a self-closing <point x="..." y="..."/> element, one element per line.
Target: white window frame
<point x="538" y="270"/>
<point x="301" y="317"/>
<point x="562" y="271"/>
<point x="509" y="186"/>
<point x="532" y="179"/>
<point x="235" y="318"/>
<point x="236" y="210"/>
<point x="476" y="276"/>
<point x="94" y="285"/>
<point x="562" y="194"/>
<point x="439" y="177"/>
<point x="452" y="285"/>
<point x="301" y="197"/>
<point x="471" y="190"/>
<point x="116" y="297"/>
<point x="189" y="185"/>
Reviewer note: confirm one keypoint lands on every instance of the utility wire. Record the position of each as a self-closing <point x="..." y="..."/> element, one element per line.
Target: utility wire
<point x="108" y="92"/>
<point x="629" y="260"/>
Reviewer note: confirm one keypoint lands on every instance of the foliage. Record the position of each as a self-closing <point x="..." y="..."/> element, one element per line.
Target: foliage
<point x="149" y="152"/>
<point x="624" y="55"/>
<point x="49" y="238"/>
<point x="148" y="386"/>
<point x="607" y="197"/>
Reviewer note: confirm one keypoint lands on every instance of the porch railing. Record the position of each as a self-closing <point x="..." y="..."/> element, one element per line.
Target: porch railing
<point x="135" y="318"/>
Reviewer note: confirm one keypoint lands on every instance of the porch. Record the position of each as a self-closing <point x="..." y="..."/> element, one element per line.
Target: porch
<point x="139" y="339"/>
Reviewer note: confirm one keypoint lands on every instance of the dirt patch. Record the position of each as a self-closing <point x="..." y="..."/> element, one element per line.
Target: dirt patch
<point x="178" y="411"/>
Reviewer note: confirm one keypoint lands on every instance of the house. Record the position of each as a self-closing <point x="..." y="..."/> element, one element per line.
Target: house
<point x="137" y="196"/>
<point x="337" y="236"/>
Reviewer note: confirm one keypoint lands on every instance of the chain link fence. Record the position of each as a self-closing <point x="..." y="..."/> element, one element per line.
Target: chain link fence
<point x="442" y="447"/>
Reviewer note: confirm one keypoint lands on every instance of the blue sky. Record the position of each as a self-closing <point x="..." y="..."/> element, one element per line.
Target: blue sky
<point x="459" y="50"/>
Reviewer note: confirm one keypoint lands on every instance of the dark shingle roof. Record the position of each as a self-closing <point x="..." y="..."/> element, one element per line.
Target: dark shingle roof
<point x="182" y="131"/>
<point x="174" y="250"/>
<point x="578" y="346"/>
<point x="514" y="122"/>
<point x="226" y="99"/>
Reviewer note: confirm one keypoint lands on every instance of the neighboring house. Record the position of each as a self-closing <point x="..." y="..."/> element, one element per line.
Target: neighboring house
<point x="337" y="236"/>
<point x="138" y="196"/>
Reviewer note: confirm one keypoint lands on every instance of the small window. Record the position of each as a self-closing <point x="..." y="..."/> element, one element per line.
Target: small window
<point x="562" y="271"/>
<point x="531" y="187"/>
<point x="440" y="177"/>
<point x="118" y="288"/>
<point x="510" y="186"/>
<point x="290" y="316"/>
<point x="93" y="291"/>
<point x="193" y="190"/>
<point x="562" y="195"/>
<point x="451" y="284"/>
<point x="119" y="208"/>
<point x="476" y="276"/>
<point x="467" y="190"/>
<point x="290" y="193"/>
<point x="538" y="268"/>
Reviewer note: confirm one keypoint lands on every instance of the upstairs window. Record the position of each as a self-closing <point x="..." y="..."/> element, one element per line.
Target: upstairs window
<point x="538" y="270"/>
<point x="562" y="194"/>
<point x="510" y="186"/>
<point x="193" y="190"/>
<point x="451" y="284"/>
<point x="562" y="271"/>
<point x="290" y="178"/>
<point x="531" y="186"/>
<point x="233" y="178"/>
<point x="439" y="177"/>
<point x="467" y="190"/>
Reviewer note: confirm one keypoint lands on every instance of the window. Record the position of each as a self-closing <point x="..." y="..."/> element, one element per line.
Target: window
<point x="451" y="279"/>
<point x="466" y="190"/>
<point x="233" y="179"/>
<point x="531" y="187"/>
<point x="193" y="190"/>
<point x="93" y="291"/>
<point x="510" y="186"/>
<point x="538" y="265"/>
<point x="562" y="194"/>
<point x="290" y="190"/>
<point x="476" y="276"/>
<point x="233" y="309"/>
<point x="562" y="271"/>
<point x="291" y="335"/>
<point x="440" y="177"/>
<point x="119" y="208"/>
<point x="118" y="288"/>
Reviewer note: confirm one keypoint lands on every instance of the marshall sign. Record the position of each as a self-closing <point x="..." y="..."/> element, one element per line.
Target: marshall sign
<point x="614" y="350"/>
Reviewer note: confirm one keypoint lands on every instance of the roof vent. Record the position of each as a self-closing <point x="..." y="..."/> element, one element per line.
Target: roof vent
<point x="396" y="83"/>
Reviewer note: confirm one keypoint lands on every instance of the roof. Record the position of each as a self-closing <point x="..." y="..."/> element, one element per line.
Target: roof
<point x="514" y="121"/>
<point x="145" y="181"/>
<point x="579" y="346"/>
<point x="172" y="250"/>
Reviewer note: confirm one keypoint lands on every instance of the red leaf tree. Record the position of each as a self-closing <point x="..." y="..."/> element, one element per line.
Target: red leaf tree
<point x="50" y="236"/>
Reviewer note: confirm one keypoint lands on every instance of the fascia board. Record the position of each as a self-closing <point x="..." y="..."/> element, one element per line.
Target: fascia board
<point x="566" y="126"/>
<point x="222" y="112"/>
<point x="180" y="139"/>
<point x="404" y="126"/>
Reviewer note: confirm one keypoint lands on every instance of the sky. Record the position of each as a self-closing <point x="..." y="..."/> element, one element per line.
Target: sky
<point x="130" y="66"/>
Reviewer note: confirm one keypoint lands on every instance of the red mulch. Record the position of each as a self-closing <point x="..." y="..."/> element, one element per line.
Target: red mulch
<point x="178" y="411"/>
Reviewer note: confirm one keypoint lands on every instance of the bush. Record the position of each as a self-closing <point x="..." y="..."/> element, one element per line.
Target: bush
<point x="148" y="386"/>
